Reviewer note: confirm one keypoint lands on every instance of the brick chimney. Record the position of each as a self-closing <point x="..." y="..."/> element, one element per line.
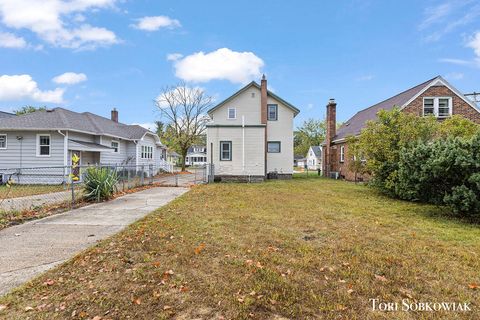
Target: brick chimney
<point x="331" y="132"/>
<point x="263" y="100"/>
<point x="114" y="116"/>
<point x="264" y="111"/>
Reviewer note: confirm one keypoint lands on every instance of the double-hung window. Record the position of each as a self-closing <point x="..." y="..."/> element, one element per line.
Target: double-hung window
<point x="272" y="112"/>
<point x="225" y="150"/>
<point x="232" y="113"/>
<point x="440" y="107"/>
<point x="43" y="145"/>
<point x="115" y="145"/>
<point x="342" y="154"/>
<point x="3" y="141"/>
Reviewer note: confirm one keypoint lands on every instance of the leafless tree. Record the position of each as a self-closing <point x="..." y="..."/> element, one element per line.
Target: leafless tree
<point x="184" y="110"/>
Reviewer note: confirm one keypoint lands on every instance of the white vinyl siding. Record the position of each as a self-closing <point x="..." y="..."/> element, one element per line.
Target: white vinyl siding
<point x="3" y="142"/>
<point x="440" y="107"/>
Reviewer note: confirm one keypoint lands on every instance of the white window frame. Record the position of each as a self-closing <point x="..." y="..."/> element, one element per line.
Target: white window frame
<point x="276" y="112"/>
<point x="436" y="106"/>
<point x="6" y="141"/>
<point x="275" y="142"/>
<point x="146" y="152"/>
<point x="342" y="154"/>
<point x="118" y="145"/>
<point x="235" y="113"/>
<point x="230" y="153"/>
<point x="49" y="145"/>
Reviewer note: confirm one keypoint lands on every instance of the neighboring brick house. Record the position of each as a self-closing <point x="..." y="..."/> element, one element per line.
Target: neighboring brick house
<point x="433" y="97"/>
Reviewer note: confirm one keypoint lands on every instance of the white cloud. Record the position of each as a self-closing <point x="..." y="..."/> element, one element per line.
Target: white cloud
<point x="18" y="87"/>
<point x="447" y="17"/>
<point x="156" y="22"/>
<point x="454" y="76"/>
<point x="222" y="64"/>
<point x="70" y="78"/>
<point x="174" y="56"/>
<point x="58" y="22"/>
<point x="474" y="43"/>
<point x="455" y="61"/>
<point x="9" y="40"/>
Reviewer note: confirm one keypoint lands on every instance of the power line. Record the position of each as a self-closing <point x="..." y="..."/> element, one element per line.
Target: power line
<point x="475" y="95"/>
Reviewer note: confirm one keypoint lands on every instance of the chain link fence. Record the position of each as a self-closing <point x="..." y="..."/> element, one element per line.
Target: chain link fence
<point x="43" y="188"/>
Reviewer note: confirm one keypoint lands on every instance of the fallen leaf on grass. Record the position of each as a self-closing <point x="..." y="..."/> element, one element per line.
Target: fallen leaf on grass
<point x="2" y="307"/>
<point x="49" y="282"/>
<point x="28" y="309"/>
<point x="473" y="286"/>
<point x="137" y="301"/>
<point x="97" y="318"/>
<point x="381" y="278"/>
<point x="167" y="307"/>
<point x="200" y="248"/>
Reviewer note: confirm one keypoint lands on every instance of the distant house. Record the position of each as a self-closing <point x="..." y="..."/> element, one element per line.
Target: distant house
<point x="299" y="161"/>
<point x="173" y="157"/>
<point x="314" y="158"/>
<point x="250" y="137"/>
<point x="50" y="138"/>
<point x="196" y="156"/>
<point x="435" y="97"/>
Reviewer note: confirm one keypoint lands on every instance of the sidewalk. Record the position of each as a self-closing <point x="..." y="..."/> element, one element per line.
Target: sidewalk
<point x="31" y="248"/>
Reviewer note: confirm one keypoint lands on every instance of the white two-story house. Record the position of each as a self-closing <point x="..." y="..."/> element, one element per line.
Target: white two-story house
<point x="250" y="137"/>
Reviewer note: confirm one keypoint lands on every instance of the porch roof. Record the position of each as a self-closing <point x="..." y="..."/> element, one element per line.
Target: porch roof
<point x="87" y="146"/>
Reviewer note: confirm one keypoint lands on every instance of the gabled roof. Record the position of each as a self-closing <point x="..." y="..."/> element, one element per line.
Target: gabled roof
<point x="86" y="122"/>
<point x="256" y="85"/>
<point x="355" y="124"/>
<point x="317" y="150"/>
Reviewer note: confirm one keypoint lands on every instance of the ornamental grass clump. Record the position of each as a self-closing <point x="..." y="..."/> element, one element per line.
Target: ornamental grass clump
<point x="100" y="183"/>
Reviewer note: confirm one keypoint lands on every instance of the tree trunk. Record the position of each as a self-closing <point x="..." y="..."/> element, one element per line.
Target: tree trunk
<point x="184" y="155"/>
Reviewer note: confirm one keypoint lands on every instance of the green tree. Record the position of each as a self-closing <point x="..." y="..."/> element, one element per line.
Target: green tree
<point x="381" y="142"/>
<point x="310" y="133"/>
<point x="28" y="109"/>
<point x="356" y="162"/>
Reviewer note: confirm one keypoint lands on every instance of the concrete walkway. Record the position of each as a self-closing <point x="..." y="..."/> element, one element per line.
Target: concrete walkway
<point x="31" y="248"/>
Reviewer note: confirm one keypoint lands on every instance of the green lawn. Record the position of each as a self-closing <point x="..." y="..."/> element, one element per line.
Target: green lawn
<point x="305" y="248"/>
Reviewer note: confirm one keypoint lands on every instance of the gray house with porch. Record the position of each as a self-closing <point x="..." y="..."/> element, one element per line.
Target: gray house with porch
<point x="50" y="138"/>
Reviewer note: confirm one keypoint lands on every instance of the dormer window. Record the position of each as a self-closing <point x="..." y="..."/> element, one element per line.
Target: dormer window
<point x="232" y="113"/>
<point x="440" y="107"/>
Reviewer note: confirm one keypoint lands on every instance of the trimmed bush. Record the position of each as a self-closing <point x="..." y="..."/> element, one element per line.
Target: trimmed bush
<point x="100" y="183"/>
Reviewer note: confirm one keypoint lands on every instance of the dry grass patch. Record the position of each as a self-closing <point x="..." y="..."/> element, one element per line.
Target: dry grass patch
<point x="307" y="248"/>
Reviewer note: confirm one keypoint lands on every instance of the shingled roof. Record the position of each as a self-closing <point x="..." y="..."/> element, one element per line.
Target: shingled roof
<point x="4" y="114"/>
<point x="355" y="124"/>
<point x="63" y="119"/>
<point x="317" y="150"/>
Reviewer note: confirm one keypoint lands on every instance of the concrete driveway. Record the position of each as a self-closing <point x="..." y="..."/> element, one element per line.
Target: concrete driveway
<point x="31" y="248"/>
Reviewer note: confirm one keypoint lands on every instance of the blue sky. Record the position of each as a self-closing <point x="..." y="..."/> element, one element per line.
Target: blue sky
<point x="121" y="53"/>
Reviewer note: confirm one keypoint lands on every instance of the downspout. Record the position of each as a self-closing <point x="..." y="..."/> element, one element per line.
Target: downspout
<point x="243" y="145"/>
<point x="65" y="150"/>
